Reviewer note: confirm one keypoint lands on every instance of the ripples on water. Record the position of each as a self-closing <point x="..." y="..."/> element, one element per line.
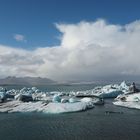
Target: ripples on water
<point x="93" y="124"/>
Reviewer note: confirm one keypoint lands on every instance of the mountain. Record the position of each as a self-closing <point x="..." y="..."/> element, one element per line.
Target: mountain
<point x="26" y="81"/>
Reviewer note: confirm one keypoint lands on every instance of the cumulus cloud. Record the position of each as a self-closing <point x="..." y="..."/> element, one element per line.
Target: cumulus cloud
<point x="88" y="50"/>
<point x="19" y="37"/>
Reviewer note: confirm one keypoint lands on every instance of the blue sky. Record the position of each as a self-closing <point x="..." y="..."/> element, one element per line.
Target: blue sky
<point x="35" y="19"/>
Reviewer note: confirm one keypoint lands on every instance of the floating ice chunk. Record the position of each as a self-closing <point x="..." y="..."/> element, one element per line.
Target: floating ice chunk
<point x="108" y="91"/>
<point x="95" y="101"/>
<point x="135" y="105"/>
<point x="67" y="107"/>
<point x="17" y="96"/>
<point x="73" y="100"/>
<point x="27" y="107"/>
<point x="99" y="101"/>
<point x="56" y="98"/>
<point x="34" y="88"/>
<point x="86" y="99"/>
<point x="2" y="96"/>
<point x="64" y="100"/>
<point x="130" y="101"/>
<point x="41" y="97"/>
<point x="124" y="87"/>
<point x="18" y="106"/>
<point x="24" y="97"/>
<point x="129" y="97"/>
<point x="111" y="93"/>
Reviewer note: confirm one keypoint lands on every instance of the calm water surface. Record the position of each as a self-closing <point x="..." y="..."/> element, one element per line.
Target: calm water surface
<point x="93" y="124"/>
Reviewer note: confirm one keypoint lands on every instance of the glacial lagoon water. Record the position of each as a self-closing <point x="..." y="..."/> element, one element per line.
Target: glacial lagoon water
<point x="95" y="124"/>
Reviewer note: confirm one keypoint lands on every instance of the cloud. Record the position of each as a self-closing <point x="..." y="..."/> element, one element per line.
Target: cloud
<point x="20" y="38"/>
<point x="88" y="51"/>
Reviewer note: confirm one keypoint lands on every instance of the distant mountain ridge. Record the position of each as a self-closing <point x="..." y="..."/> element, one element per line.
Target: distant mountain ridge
<point x="26" y="81"/>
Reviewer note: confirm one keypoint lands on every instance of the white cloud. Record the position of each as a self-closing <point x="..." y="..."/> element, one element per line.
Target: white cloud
<point x="88" y="50"/>
<point x="20" y="38"/>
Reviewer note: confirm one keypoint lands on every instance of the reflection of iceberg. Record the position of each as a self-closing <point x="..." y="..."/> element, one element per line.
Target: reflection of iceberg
<point x="130" y="100"/>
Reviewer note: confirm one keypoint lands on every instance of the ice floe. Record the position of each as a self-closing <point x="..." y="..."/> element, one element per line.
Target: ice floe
<point x="128" y="100"/>
<point x="18" y="106"/>
<point x="67" y="107"/>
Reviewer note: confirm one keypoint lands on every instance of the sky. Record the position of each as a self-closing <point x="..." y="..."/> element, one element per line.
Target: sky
<point x="70" y="39"/>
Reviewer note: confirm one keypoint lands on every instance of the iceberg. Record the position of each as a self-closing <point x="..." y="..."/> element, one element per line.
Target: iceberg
<point x="35" y="100"/>
<point x="67" y="107"/>
<point x="63" y="100"/>
<point x="56" y="98"/>
<point x="108" y="91"/>
<point x="2" y="96"/>
<point x="129" y="100"/>
<point x="24" y="97"/>
<point x="18" y="106"/>
<point x="123" y="86"/>
<point x="73" y="100"/>
<point x="95" y="101"/>
<point x="86" y="99"/>
<point x="112" y="91"/>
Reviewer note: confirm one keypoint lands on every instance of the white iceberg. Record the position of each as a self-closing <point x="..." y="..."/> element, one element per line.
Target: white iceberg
<point x="18" y="106"/>
<point x="67" y="107"/>
<point x="123" y="86"/>
<point x="95" y="101"/>
<point x="86" y="99"/>
<point x="108" y="91"/>
<point x="73" y="100"/>
<point x="130" y="101"/>
<point x="24" y="97"/>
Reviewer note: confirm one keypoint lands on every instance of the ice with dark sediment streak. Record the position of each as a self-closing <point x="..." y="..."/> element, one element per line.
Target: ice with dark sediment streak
<point x="128" y="100"/>
<point x="52" y="107"/>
